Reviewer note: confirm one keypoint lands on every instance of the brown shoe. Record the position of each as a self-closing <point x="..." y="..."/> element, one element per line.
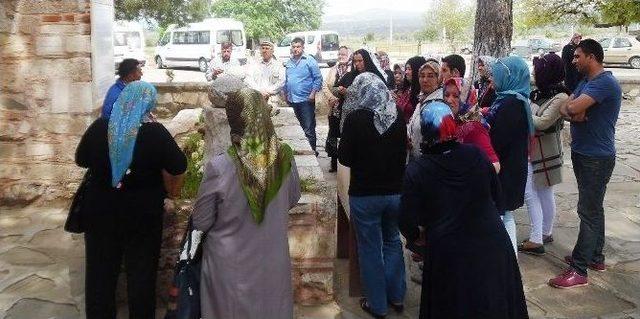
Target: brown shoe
<point x="531" y="248"/>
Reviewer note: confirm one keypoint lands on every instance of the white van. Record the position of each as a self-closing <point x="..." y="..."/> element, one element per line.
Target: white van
<point x="128" y="42"/>
<point x="192" y="45"/>
<point x="322" y="45"/>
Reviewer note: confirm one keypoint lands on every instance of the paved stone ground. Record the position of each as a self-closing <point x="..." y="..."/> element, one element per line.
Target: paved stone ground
<point x="42" y="266"/>
<point x="611" y="294"/>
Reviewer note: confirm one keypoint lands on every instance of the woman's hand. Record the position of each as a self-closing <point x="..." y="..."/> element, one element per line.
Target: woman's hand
<point x="342" y="90"/>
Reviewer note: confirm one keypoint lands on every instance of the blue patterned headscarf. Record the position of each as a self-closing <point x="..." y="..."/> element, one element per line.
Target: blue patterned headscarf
<point x="130" y="110"/>
<point x="511" y="76"/>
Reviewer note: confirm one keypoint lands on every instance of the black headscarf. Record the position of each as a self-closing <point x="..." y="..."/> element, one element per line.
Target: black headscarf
<point x="369" y="66"/>
<point x="416" y="62"/>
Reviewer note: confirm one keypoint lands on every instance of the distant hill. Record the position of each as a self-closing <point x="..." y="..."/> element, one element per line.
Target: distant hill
<point x="374" y="21"/>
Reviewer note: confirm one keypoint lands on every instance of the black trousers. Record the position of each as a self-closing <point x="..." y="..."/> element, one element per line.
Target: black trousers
<point x="134" y="238"/>
<point x="592" y="175"/>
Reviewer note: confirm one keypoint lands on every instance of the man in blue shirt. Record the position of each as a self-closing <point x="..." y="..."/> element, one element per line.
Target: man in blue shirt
<point x="128" y="71"/>
<point x="593" y="110"/>
<point x="303" y="81"/>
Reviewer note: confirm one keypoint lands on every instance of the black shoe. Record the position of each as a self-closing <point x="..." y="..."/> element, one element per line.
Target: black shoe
<point x="547" y="239"/>
<point x="397" y="308"/>
<point x="366" y="308"/>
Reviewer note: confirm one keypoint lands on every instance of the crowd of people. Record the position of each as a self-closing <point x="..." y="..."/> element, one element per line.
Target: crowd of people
<point x="434" y="157"/>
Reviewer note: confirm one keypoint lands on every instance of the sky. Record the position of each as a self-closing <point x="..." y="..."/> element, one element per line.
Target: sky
<point x="361" y="5"/>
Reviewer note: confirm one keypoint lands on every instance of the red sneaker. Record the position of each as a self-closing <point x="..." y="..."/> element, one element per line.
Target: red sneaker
<point x="593" y="266"/>
<point x="569" y="279"/>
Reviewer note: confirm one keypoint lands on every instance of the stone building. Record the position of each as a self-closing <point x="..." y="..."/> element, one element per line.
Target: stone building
<point x="56" y="64"/>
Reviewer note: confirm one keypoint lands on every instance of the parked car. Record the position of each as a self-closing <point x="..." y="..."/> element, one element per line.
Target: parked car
<point x="193" y="44"/>
<point x="128" y="42"/>
<point x="525" y="48"/>
<point x="621" y="50"/>
<point x="322" y="45"/>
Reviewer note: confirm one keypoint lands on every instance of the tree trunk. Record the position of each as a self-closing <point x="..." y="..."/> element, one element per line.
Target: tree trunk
<point x="493" y="29"/>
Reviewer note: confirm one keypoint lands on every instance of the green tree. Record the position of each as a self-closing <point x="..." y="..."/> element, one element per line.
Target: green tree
<point x="369" y="37"/>
<point x="451" y="18"/>
<point x="271" y="18"/>
<point x="162" y="12"/>
<point x="593" y="12"/>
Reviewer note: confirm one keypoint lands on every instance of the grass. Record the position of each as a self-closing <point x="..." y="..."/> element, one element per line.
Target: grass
<point x="308" y="185"/>
<point x="193" y="177"/>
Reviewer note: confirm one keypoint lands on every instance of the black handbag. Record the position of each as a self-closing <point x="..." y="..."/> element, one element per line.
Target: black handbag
<point x="186" y="282"/>
<point x="74" y="223"/>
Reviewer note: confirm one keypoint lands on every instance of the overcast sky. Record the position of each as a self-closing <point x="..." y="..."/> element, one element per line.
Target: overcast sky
<point x="339" y="6"/>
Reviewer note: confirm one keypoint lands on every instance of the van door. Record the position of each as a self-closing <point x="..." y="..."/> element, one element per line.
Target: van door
<point x="174" y="49"/>
<point x="161" y="48"/>
<point x="620" y="50"/>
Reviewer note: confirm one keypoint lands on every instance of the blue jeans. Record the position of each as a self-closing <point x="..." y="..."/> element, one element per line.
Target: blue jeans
<point x="306" y="115"/>
<point x="510" y="225"/>
<point x="592" y="175"/>
<point x="379" y="249"/>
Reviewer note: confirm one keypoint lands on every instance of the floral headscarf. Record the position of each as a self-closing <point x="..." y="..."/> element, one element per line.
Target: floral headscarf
<point x="261" y="160"/>
<point x="383" y="58"/>
<point x="132" y="107"/>
<point x="368" y="92"/>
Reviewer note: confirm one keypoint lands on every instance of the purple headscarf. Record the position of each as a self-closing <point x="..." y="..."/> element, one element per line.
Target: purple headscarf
<point x="548" y="70"/>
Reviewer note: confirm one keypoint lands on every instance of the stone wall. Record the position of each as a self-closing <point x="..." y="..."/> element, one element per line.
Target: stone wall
<point x="312" y="222"/>
<point x="47" y="95"/>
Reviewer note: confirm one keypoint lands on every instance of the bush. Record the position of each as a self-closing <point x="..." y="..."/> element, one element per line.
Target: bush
<point x="194" y="150"/>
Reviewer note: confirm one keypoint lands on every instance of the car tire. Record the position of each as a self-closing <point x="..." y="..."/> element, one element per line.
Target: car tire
<point x="635" y="62"/>
<point x="159" y="64"/>
<point x="202" y="65"/>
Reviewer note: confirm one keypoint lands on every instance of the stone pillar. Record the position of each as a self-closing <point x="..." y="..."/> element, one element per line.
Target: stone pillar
<point x="54" y="72"/>
<point x="51" y="85"/>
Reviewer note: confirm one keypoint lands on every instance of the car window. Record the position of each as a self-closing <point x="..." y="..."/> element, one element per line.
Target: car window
<point x="330" y="42"/>
<point x="605" y="42"/>
<point x="286" y="41"/>
<point x="310" y="39"/>
<point x="179" y="37"/>
<point x="164" y="40"/>
<point x="204" y="37"/>
<point x="621" y="43"/>
<point x="131" y="39"/>
<point x="236" y="37"/>
<point x="233" y="36"/>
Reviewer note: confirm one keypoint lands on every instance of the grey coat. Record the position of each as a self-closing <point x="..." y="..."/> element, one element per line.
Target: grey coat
<point x="546" y="155"/>
<point x="246" y="268"/>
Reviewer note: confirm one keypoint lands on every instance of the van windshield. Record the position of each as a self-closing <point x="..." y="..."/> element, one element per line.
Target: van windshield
<point x="286" y="41"/>
<point x="233" y="36"/>
<point x="131" y="39"/>
<point x="330" y="42"/>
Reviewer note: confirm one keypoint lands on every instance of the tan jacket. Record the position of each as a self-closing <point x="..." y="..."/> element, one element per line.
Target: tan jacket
<point x="546" y="154"/>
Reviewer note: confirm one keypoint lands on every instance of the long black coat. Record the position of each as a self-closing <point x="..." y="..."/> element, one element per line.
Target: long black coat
<point x="470" y="269"/>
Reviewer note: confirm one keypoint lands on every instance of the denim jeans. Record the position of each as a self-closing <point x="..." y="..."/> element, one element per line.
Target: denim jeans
<point x="510" y="225"/>
<point x="379" y="249"/>
<point x="592" y="175"/>
<point x="306" y="115"/>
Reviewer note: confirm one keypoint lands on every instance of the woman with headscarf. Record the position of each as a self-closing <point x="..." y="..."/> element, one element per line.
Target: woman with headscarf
<point x="127" y="155"/>
<point x="332" y="96"/>
<point x="486" y="92"/>
<point x="511" y="129"/>
<point x="242" y="207"/>
<point x="430" y="89"/>
<point x="470" y="270"/>
<point x="412" y="82"/>
<point x="373" y="145"/>
<point x="471" y="129"/>
<point x="545" y="167"/>
<point x="385" y="64"/>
